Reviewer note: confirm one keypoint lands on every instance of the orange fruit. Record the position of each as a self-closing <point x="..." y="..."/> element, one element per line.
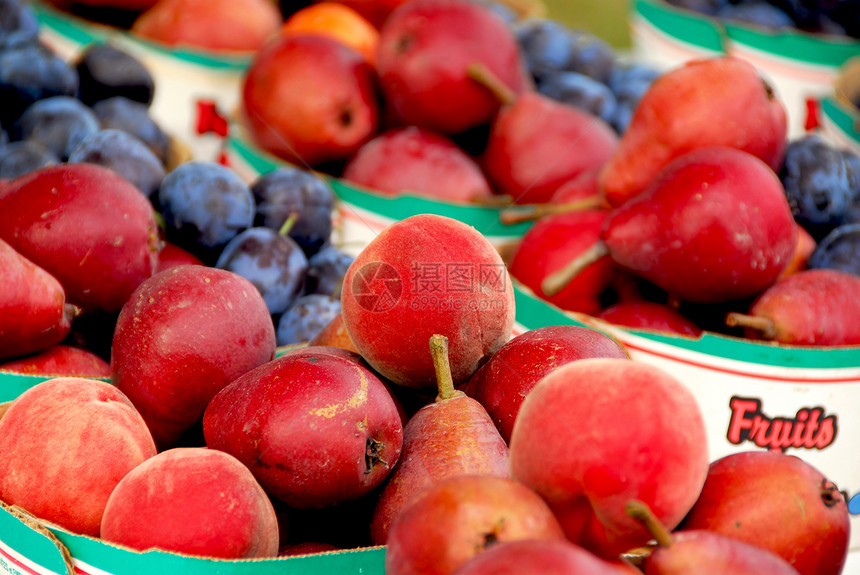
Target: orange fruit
<point x="336" y="21"/>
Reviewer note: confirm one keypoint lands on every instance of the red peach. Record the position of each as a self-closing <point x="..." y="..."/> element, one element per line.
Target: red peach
<point x="192" y="500"/>
<point x="597" y="433"/>
<point x="425" y="275"/>
<point x="65" y="443"/>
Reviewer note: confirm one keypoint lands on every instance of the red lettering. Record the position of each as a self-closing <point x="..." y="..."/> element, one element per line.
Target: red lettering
<point x="806" y="430"/>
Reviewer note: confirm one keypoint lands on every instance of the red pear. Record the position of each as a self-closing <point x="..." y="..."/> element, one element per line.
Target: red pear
<point x="717" y="101"/>
<point x="33" y="310"/>
<point x="85" y="225"/>
<point x="544" y="556"/>
<point x="777" y="502"/>
<point x="450" y="437"/>
<point x="548" y="246"/>
<point x="502" y="383"/>
<point x="315" y="426"/>
<point x="651" y="316"/>
<point x="425" y="49"/>
<point x="461" y="517"/>
<point x="60" y="360"/>
<point x="416" y="160"/>
<point x="537" y="144"/>
<point x="689" y="552"/>
<point x="714" y="226"/>
<point x="810" y="307"/>
<point x="185" y="334"/>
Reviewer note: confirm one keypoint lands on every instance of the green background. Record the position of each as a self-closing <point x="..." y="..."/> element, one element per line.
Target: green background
<point x="605" y="18"/>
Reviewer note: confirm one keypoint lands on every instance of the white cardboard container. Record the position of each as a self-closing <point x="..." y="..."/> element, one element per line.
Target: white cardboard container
<point x="196" y="91"/>
<point x="801" y="67"/>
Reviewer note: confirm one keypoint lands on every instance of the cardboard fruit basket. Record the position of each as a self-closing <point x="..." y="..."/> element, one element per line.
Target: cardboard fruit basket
<point x="801" y="67"/>
<point x="750" y="394"/>
<point x="195" y="90"/>
<point x="360" y="214"/>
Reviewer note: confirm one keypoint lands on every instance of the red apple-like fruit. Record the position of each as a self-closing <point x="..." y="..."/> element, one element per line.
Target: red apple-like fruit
<point x="597" y="433"/>
<point x="425" y="49"/>
<point x="216" y="25"/>
<point x="185" y="334"/>
<point x="410" y="159"/>
<point x="315" y="426"/>
<point x="425" y="275"/>
<point x="778" y="502"/>
<point x="85" y="225"/>
<point x="194" y="501"/>
<point x="502" y="383"/>
<point x="60" y="360"/>
<point x="33" y="310"/>
<point x="305" y="112"/>
<point x="171" y="255"/>
<point x="461" y="517"/>
<point x="65" y="443"/>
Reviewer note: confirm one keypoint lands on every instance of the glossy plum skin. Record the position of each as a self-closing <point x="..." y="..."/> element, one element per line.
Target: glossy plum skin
<point x="274" y="263"/>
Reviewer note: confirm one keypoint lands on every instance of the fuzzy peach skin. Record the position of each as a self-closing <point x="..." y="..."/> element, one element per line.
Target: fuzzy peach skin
<point x="65" y="443"/>
<point x="425" y="275"/>
<point x="192" y="500"/>
<point x="597" y="433"/>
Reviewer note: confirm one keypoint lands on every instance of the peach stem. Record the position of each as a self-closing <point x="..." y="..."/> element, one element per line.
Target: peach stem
<point x="479" y="72"/>
<point x="558" y="280"/>
<point x="531" y="212"/>
<point x="641" y="512"/>
<point x="444" y="381"/>
<point x="763" y="325"/>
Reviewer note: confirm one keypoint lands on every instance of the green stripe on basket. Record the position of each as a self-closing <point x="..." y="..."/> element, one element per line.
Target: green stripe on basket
<point x="484" y="219"/>
<point x="796" y="45"/>
<point x="682" y="25"/>
<point x="69" y="27"/>
<point x="847" y="122"/>
<point x="210" y="60"/>
<point x="533" y="312"/>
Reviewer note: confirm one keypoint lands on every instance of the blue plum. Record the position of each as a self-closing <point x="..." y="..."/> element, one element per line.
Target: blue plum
<point x="306" y="317"/>
<point x="124" y="154"/>
<point x="59" y="123"/>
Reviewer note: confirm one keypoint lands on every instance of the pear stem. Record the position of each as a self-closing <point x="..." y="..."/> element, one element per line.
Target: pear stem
<point x="764" y="325"/>
<point x="640" y="512"/>
<point x="558" y="280"/>
<point x="288" y="224"/>
<point x="532" y="212"/>
<point x="479" y="72"/>
<point x="444" y="380"/>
